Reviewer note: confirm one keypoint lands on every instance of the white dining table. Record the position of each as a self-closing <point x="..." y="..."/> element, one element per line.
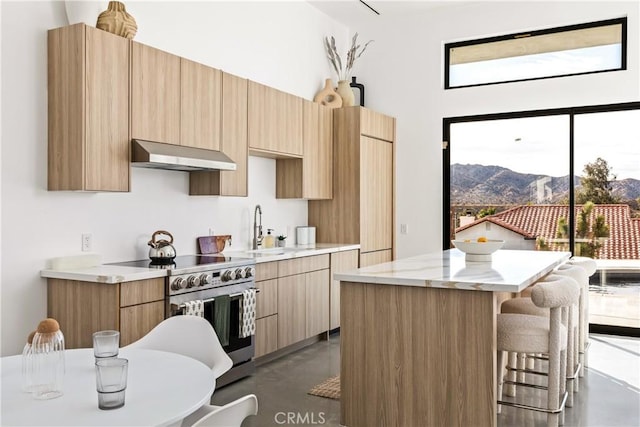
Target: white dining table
<point x="162" y="389"/>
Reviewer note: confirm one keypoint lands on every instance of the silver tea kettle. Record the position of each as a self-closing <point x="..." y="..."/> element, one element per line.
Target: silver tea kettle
<point x="162" y="251"/>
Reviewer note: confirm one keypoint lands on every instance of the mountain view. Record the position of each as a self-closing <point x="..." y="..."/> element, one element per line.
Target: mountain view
<point x="496" y="185"/>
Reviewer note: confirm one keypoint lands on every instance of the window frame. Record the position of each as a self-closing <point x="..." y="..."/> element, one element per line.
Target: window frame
<point x="556" y="30"/>
<point x="571" y="112"/>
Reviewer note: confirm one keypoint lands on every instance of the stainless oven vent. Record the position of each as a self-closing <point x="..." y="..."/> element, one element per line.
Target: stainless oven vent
<point x="158" y="155"/>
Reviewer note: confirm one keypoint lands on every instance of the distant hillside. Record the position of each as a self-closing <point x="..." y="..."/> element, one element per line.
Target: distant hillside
<point x="495" y="185"/>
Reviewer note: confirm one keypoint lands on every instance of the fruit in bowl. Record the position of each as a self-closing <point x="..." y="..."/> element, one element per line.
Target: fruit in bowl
<point x="480" y="250"/>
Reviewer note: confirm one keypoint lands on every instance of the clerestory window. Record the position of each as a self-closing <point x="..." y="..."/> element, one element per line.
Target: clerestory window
<point x="564" y="51"/>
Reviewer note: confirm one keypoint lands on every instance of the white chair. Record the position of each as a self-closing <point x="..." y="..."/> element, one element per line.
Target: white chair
<point x="190" y="336"/>
<point x="521" y="333"/>
<point x="230" y="415"/>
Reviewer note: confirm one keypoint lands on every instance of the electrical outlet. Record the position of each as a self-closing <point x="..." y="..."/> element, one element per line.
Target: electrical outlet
<point x="404" y="228"/>
<point x="86" y="242"/>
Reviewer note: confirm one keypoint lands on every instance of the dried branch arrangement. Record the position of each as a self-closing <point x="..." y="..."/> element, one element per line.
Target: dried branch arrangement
<point x="353" y="53"/>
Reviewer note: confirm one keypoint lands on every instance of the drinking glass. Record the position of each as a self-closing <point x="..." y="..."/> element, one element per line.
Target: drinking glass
<point x="106" y="344"/>
<point x="111" y="382"/>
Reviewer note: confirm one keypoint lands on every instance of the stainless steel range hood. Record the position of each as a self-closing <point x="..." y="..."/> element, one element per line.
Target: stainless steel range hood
<point x="158" y="155"/>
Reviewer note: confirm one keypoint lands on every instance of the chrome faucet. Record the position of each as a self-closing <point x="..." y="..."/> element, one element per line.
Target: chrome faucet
<point x="257" y="229"/>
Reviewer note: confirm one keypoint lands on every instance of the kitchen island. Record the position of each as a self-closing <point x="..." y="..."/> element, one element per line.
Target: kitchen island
<point x="418" y="336"/>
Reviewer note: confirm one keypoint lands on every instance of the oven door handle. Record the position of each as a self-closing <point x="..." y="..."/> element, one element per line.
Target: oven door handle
<point x="175" y="307"/>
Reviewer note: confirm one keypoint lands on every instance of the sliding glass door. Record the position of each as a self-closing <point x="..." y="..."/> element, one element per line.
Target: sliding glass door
<point x="607" y="193"/>
<point x="563" y="179"/>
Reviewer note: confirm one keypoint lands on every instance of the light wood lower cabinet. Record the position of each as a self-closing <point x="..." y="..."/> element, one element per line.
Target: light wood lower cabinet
<point x="136" y="321"/>
<point x="293" y="302"/>
<point x="82" y="308"/>
<point x="266" y="340"/>
<point x="317" y="299"/>
<point x="340" y="261"/>
<point x="267" y="298"/>
<point x="377" y="257"/>
<point x="292" y="306"/>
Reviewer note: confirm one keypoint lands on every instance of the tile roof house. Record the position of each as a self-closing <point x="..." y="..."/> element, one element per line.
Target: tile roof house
<point x="531" y="222"/>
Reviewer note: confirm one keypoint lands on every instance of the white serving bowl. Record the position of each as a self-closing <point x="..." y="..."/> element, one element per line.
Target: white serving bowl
<point x="478" y="251"/>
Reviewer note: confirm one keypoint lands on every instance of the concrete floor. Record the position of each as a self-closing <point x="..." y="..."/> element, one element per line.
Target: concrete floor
<point x="609" y="395"/>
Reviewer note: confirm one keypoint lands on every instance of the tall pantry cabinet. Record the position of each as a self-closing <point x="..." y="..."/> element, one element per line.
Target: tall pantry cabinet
<point x="361" y="210"/>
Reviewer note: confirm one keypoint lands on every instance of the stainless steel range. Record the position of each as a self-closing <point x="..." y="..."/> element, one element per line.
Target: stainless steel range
<point x="205" y="278"/>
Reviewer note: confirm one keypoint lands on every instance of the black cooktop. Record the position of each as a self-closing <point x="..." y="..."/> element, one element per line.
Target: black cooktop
<point x="182" y="261"/>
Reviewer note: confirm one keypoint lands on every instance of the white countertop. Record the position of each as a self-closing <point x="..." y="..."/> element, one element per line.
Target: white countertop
<point x="105" y="274"/>
<point x="288" y="252"/>
<point x="117" y="274"/>
<point x="508" y="271"/>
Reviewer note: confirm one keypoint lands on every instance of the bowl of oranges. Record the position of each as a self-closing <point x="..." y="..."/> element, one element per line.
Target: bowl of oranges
<point x="479" y="249"/>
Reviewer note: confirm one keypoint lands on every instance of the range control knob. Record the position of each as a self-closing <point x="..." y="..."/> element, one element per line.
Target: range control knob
<point x="249" y="272"/>
<point x="205" y="279"/>
<point x="239" y="273"/>
<point x="228" y="275"/>
<point x="193" y="281"/>
<point x="178" y="284"/>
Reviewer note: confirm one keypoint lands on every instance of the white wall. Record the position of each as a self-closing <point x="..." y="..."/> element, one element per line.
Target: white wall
<point x="403" y="74"/>
<point x="278" y="44"/>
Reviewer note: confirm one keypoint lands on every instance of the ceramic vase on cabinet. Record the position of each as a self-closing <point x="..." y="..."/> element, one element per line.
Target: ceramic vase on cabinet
<point x="84" y="11"/>
<point x="328" y="96"/>
<point x="117" y="21"/>
<point x="346" y="93"/>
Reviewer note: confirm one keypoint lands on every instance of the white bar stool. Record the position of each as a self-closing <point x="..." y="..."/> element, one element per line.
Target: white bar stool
<point x="522" y="333"/>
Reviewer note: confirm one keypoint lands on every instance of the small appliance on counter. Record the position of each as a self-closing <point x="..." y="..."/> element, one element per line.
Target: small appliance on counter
<point x="306" y="236"/>
<point x="162" y="251"/>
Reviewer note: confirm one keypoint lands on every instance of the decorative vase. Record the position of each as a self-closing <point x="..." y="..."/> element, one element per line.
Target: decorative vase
<point x="84" y="11"/>
<point x="117" y="21"/>
<point x="328" y="96"/>
<point x="346" y="93"/>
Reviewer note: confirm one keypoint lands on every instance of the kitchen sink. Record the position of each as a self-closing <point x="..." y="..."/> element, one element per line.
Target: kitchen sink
<point x="272" y="251"/>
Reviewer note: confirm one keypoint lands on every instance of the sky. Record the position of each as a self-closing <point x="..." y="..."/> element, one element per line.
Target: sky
<point x="540" y="145"/>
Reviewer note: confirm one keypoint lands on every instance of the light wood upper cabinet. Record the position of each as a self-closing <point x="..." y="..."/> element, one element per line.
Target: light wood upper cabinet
<point x="200" y="105"/>
<point x="377" y="125"/>
<point x="361" y="210"/>
<point x="88" y="110"/>
<point x="310" y="177"/>
<point x="155" y="94"/>
<point x="275" y="122"/>
<point x="233" y="144"/>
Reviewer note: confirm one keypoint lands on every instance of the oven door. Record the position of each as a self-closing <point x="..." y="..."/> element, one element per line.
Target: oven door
<point x="240" y="349"/>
